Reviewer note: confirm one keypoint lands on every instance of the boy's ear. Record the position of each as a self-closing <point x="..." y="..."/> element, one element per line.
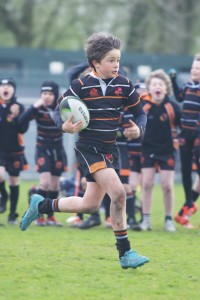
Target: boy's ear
<point x="95" y="62"/>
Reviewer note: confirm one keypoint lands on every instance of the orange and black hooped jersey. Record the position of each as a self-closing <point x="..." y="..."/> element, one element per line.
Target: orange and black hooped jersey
<point x="158" y="137"/>
<point x="189" y="95"/>
<point x="104" y="101"/>
<point x="11" y="131"/>
<point x="125" y="116"/>
<point x="48" y="135"/>
<point x="134" y="145"/>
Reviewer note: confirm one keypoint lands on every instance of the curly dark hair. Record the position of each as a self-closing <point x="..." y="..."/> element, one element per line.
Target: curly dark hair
<point x="98" y="44"/>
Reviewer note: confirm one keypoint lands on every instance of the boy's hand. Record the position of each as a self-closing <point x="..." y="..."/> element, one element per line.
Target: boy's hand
<point x="172" y="73"/>
<point x="132" y="132"/>
<point x="39" y="103"/>
<point x="14" y="109"/>
<point x="70" y="127"/>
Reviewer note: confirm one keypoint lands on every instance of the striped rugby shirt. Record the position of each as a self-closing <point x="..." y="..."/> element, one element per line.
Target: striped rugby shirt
<point x="134" y="145"/>
<point x="48" y="135"/>
<point x="190" y="96"/>
<point x="105" y="102"/>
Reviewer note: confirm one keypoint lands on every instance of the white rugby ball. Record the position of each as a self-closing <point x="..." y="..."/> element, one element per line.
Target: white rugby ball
<point x="71" y="105"/>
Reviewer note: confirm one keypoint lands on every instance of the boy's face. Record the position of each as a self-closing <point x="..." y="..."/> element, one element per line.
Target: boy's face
<point x="108" y="67"/>
<point x="158" y="90"/>
<point x="48" y="98"/>
<point x="195" y="70"/>
<point x="6" y="91"/>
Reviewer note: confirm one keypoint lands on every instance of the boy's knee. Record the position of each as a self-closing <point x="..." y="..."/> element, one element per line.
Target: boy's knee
<point x="167" y="187"/>
<point x="119" y="197"/>
<point x="147" y="186"/>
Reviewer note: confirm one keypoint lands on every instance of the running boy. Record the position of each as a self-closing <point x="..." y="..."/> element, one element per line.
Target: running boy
<point x="104" y="92"/>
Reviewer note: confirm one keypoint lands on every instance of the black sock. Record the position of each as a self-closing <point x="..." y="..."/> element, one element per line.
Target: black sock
<point x="43" y="193"/>
<point x="130" y="206"/>
<point x="3" y="191"/>
<point x="45" y="207"/>
<point x="52" y="195"/>
<point x="96" y="214"/>
<point x="106" y="203"/>
<point x="189" y="202"/>
<point x="195" y="196"/>
<point x="168" y="218"/>
<point x="122" y="243"/>
<point x="14" y="196"/>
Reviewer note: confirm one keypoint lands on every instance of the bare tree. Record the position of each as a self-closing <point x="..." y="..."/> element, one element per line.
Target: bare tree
<point x="143" y="25"/>
<point x="20" y="24"/>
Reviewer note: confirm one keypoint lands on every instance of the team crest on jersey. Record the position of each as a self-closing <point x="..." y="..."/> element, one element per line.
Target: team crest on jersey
<point x="196" y="142"/>
<point x="109" y="158"/>
<point x="16" y="164"/>
<point x="170" y="162"/>
<point x="10" y="117"/>
<point x="94" y="93"/>
<point x="118" y="91"/>
<point x="41" y="161"/>
<point x="181" y="141"/>
<point x="58" y="165"/>
<point x="163" y="117"/>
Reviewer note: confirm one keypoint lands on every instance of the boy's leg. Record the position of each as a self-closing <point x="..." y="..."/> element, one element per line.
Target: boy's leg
<point x="109" y="180"/>
<point x="105" y="181"/>
<point x="40" y="205"/>
<point x="14" y="197"/>
<point x="167" y="184"/>
<point x="3" y="192"/>
<point x="148" y="175"/>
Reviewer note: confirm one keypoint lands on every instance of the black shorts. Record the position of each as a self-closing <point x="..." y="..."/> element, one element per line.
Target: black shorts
<point x="164" y="162"/>
<point x="135" y="163"/>
<point x="51" y="160"/>
<point x="124" y="168"/>
<point x="14" y="163"/>
<point x="92" y="159"/>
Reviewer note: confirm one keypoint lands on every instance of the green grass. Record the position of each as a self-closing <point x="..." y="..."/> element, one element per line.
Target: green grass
<point x="64" y="263"/>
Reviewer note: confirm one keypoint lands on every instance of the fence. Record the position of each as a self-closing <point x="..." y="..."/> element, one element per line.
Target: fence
<point x="30" y="67"/>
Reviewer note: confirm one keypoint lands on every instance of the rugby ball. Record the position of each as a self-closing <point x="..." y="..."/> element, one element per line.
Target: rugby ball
<point x="72" y="105"/>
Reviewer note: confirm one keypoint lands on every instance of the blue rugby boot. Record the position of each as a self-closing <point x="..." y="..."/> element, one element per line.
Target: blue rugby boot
<point x="131" y="259"/>
<point x="32" y="212"/>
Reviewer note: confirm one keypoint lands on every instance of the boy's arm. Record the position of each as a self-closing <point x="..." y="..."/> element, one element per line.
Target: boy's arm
<point x="68" y="125"/>
<point x="137" y="128"/>
<point x="177" y="110"/>
<point x="178" y="92"/>
<point x="27" y="115"/>
<point x="22" y="125"/>
<point x="135" y="106"/>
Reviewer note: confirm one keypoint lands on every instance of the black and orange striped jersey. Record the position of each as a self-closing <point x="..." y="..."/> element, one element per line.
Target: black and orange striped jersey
<point x="11" y="131"/>
<point x="158" y="137"/>
<point x="125" y="116"/>
<point x="105" y="101"/>
<point x="134" y="145"/>
<point x="189" y="95"/>
<point x="48" y="135"/>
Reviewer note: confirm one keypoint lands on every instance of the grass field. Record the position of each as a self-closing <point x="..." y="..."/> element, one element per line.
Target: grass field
<point x="64" y="263"/>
